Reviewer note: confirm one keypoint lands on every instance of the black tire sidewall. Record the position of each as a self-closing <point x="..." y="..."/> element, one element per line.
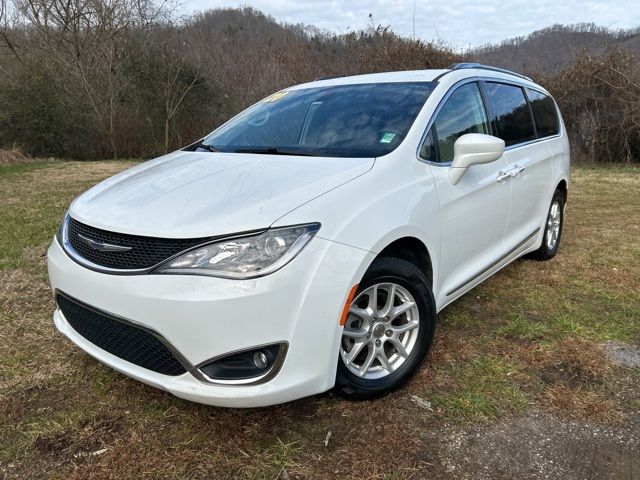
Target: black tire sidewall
<point x="410" y="277"/>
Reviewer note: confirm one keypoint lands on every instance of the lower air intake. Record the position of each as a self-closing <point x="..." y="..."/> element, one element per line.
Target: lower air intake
<point x="131" y="343"/>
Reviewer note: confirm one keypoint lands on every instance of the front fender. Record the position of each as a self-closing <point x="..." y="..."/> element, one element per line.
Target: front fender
<point x="396" y="199"/>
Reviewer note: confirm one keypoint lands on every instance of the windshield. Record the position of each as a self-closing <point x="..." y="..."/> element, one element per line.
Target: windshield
<point x="363" y="120"/>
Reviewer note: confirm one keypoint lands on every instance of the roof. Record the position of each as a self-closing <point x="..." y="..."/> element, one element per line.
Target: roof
<point x="462" y="70"/>
<point x="385" y="77"/>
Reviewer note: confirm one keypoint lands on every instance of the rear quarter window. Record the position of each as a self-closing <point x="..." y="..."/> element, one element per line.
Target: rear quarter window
<point x="510" y="113"/>
<point x="544" y="113"/>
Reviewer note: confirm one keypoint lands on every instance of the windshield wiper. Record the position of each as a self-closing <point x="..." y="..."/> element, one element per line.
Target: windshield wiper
<point x="274" y="151"/>
<point x="211" y="148"/>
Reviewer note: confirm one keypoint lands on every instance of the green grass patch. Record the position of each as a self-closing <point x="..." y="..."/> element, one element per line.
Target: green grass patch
<point x="485" y="388"/>
<point x="35" y="198"/>
<point x="524" y="329"/>
<point x="25" y="167"/>
<point x="457" y="316"/>
<point x="281" y="456"/>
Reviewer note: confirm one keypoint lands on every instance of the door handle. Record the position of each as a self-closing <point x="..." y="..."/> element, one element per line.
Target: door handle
<point x="516" y="171"/>
<point x="502" y="176"/>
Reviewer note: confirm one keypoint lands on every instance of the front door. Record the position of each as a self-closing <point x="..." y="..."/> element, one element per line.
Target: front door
<point x="474" y="212"/>
<point x="526" y="155"/>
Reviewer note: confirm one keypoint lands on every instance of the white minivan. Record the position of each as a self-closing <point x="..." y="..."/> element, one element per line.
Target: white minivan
<point x="309" y="242"/>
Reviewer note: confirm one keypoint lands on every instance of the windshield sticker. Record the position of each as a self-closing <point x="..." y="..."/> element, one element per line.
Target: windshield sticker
<point x="276" y="96"/>
<point x="387" y="137"/>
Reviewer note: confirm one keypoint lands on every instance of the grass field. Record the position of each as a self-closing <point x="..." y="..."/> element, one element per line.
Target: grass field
<point x="517" y="385"/>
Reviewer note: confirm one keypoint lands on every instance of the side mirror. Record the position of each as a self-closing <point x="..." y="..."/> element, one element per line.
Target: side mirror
<point x="473" y="149"/>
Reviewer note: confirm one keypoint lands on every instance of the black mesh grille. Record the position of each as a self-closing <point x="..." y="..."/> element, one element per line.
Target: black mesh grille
<point x="145" y="251"/>
<point x="130" y="343"/>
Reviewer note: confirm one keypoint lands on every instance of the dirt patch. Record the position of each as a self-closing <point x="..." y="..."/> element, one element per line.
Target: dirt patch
<point x="574" y="362"/>
<point x="542" y="446"/>
<point x="622" y="354"/>
<point x="85" y="437"/>
<point x="40" y="399"/>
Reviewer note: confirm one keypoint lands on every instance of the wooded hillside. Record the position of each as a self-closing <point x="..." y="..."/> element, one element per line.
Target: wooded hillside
<point x="126" y="78"/>
<point x="552" y="49"/>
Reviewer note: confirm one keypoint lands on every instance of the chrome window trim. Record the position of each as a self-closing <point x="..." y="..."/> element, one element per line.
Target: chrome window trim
<point x="479" y="79"/>
<point x="194" y="370"/>
<point x="525" y="144"/>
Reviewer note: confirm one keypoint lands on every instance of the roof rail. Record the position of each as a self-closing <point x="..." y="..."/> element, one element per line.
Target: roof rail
<point x="461" y="66"/>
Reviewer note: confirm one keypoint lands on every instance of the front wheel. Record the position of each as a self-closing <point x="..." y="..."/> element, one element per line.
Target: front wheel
<point x="552" y="229"/>
<point x="388" y="331"/>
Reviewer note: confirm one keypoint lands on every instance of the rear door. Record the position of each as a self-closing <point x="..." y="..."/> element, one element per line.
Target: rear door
<point x="527" y="160"/>
<point x="474" y="212"/>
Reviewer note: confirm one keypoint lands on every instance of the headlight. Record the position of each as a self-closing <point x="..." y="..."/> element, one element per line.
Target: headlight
<point x="244" y="257"/>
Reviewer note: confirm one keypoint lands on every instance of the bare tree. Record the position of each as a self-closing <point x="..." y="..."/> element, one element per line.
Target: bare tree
<point x="245" y="54"/>
<point x="89" y="40"/>
<point x="4" y="27"/>
<point x="178" y="80"/>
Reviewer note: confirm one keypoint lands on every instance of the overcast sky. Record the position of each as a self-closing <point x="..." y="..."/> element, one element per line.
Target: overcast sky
<point x="462" y="23"/>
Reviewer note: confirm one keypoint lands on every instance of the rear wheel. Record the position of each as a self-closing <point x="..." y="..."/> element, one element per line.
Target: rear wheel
<point x="552" y="229"/>
<point x="389" y="329"/>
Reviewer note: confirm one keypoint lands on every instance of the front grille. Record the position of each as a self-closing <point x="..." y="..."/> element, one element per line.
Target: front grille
<point x="145" y="252"/>
<point x="119" y="338"/>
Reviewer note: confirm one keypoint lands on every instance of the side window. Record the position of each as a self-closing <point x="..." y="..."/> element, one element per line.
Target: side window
<point x="510" y="113"/>
<point x="428" y="149"/>
<point x="544" y="113"/>
<point x="463" y="112"/>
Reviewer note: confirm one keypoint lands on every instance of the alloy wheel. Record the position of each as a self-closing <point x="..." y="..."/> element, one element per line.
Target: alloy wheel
<point x="381" y="331"/>
<point x="553" y="225"/>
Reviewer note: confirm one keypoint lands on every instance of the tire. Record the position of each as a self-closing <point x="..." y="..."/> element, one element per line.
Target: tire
<point x="417" y="323"/>
<point x="549" y="249"/>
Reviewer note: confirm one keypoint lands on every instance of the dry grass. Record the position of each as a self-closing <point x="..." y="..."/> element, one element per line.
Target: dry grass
<point x="579" y="403"/>
<point x="526" y="339"/>
<point x="13" y="156"/>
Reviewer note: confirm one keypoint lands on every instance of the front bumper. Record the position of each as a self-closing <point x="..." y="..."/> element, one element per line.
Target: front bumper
<point x="205" y="317"/>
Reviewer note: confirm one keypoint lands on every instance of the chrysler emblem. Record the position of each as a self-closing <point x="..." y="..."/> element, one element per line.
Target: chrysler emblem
<point x="103" y="247"/>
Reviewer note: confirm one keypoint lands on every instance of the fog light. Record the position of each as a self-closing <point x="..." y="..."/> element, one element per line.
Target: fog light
<point x="260" y="360"/>
<point x="244" y="365"/>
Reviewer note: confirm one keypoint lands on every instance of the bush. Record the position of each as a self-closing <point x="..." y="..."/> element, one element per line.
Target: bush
<point x="12" y="156"/>
<point x="381" y="50"/>
<point x="36" y="117"/>
<point x="599" y="97"/>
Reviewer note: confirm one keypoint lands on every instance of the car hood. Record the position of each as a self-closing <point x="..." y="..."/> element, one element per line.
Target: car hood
<point x="200" y="194"/>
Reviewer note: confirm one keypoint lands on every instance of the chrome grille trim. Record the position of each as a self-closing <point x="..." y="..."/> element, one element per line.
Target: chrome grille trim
<point x="78" y="257"/>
